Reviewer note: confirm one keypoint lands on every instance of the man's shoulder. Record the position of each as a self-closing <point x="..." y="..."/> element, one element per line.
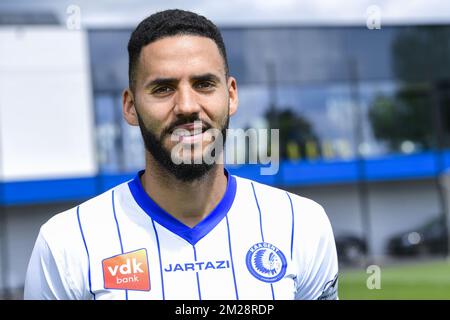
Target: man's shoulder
<point x="303" y="207"/>
<point x="277" y="193"/>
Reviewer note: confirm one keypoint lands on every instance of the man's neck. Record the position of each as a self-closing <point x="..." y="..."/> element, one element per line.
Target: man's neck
<point x="188" y="202"/>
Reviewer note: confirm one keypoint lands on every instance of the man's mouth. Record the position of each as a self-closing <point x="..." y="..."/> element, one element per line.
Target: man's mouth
<point x="189" y="132"/>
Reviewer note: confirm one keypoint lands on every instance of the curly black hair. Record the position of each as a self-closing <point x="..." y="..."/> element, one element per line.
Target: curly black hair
<point x="170" y="23"/>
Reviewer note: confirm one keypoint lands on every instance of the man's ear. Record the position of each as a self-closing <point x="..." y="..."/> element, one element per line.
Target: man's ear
<point x="232" y="95"/>
<point x="129" y="107"/>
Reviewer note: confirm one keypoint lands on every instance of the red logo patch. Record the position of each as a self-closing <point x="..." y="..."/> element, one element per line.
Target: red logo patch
<point x="127" y="271"/>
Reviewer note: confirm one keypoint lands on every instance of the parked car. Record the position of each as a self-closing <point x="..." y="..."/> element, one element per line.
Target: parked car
<point x="428" y="238"/>
<point x="351" y="249"/>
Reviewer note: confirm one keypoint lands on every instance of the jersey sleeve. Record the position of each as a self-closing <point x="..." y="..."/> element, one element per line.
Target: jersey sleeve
<point x="318" y="259"/>
<point x="46" y="277"/>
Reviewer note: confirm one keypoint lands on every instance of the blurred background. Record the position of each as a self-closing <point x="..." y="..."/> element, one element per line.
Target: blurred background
<point x="359" y="90"/>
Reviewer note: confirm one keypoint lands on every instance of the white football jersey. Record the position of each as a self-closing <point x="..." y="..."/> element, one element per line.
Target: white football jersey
<point x="259" y="242"/>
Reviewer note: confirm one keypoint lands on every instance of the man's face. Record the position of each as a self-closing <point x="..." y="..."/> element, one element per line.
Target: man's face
<point x="181" y="80"/>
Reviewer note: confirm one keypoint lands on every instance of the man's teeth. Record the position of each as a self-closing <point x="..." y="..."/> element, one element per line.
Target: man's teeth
<point x="185" y="133"/>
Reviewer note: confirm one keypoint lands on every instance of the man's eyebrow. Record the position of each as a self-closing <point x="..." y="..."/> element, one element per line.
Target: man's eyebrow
<point x="161" y="81"/>
<point x="171" y="81"/>
<point x="206" y="77"/>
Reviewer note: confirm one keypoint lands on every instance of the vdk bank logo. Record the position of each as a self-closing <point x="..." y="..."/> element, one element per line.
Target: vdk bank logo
<point x="127" y="271"/>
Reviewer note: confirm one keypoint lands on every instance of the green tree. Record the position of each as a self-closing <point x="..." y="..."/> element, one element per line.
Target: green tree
<point x="404" y="117"/>
<point x="294" y="128"/>
<point x="420" y="59"/>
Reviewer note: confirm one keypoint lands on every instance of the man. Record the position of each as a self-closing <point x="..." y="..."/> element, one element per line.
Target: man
<point x="184" y="228"/>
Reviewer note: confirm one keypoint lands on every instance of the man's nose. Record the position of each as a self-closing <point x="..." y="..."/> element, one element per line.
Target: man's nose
<point x="186" y="102"/>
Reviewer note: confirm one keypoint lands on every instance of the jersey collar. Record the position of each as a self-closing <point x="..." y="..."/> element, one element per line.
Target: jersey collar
<point x="191" y="235"/>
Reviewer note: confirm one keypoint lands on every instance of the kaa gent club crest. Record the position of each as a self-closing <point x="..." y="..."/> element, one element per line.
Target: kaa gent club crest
<point x="266" y="262"/>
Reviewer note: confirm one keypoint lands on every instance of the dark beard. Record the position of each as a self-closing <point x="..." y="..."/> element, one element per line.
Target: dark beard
<point x="183" y="171"/>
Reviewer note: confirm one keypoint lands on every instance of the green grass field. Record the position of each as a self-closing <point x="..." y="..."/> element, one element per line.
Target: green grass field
<point x="415" y="281"/>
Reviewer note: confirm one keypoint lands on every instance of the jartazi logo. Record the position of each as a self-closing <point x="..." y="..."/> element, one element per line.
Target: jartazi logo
<point x="127" y="271"/>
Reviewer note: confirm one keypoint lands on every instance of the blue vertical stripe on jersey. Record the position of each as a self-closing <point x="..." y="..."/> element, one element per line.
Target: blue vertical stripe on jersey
<point x="118" y="232"/>
<point x="191" y="235"/>
<point x="87" y="252"/>
<point x="259" y="210"/>
<point x="293" y="220"/>
<point x="261" y="228"/>
<point x="198" y="280"/>
<point x="231" y="258"/>
<point x="160" y="262"/>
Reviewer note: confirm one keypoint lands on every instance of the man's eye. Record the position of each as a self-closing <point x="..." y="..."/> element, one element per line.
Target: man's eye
<point x="161" y="90"/>
<point x="205" y="85"/>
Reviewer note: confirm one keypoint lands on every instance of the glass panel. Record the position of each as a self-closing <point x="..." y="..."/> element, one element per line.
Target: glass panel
<point x="107" y="133"/>
<point x="109" y="59"/>
<point x="252" y="109"/>
<point x="298" y="79"/>
<point x="315" y="122"/>
<point x="399" y="118"/>
<point x="307" y="54"/>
